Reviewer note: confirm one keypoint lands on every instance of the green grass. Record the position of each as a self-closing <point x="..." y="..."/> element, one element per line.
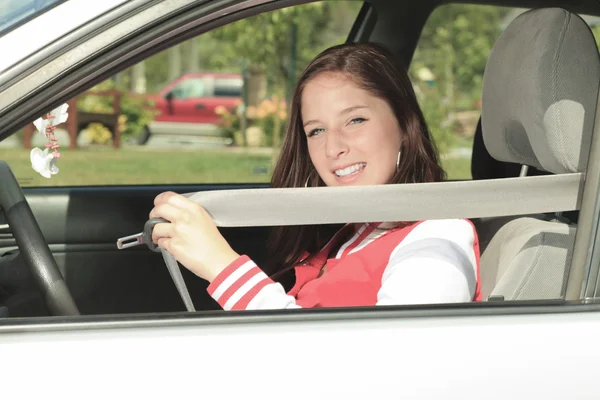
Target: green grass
<point x="129" y="166"/>
<point x="136" y="167"/>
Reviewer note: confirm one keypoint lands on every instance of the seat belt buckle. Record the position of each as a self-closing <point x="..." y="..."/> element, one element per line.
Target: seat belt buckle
<point x="144" y="237"/>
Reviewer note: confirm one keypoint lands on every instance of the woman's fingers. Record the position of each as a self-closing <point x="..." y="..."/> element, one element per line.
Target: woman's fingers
<point x="160" y="198"/>
<point x="163" y="197"/>
<point x="165" y="243"/>
<point x="162" y="231"/>
<point x="191" y="235"/>
<point x="167" y="211"/>
<point x="176" y="215"/>
<point x="176" y="200"/>
<point x="183" y="203"/>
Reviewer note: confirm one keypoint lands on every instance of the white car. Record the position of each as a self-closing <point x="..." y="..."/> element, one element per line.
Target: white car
<point x="105" y="323"/>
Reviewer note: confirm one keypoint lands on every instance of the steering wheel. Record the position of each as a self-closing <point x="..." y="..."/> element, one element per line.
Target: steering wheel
<point x="33" y="246"/>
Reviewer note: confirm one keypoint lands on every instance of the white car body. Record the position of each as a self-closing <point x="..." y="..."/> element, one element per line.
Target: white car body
<point x="26" y="40"/>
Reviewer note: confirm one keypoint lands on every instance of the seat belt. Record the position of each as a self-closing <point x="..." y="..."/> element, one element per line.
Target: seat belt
<point x="385" y="203"/>
<point x="177" y="278"/>
<point x="394" y="202"/>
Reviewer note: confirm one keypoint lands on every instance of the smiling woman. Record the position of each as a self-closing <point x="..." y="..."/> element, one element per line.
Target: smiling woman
<point x="356" y="115"/>
<point x="354" y="120"/>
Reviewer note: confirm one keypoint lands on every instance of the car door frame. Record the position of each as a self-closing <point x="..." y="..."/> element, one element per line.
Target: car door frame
<point x="192" y="18"/>
<point x="326" y="347"/>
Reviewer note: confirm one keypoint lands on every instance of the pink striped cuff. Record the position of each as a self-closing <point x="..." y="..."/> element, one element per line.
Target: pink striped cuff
<point x="238" y="284"/>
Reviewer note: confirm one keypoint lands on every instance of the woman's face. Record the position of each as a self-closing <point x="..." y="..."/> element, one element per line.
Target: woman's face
<point x="353" y="137"/>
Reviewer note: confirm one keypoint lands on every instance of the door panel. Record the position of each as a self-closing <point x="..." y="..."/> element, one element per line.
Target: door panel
<point x="450" y="352"/>
<point x="82" y="226"/>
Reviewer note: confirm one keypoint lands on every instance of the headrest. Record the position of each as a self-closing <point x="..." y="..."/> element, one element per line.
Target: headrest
<point x="540" y="89"/>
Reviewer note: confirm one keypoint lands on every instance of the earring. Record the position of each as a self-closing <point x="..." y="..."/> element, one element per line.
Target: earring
<point x="308" y="179"/>
<point x="398" y="159"/>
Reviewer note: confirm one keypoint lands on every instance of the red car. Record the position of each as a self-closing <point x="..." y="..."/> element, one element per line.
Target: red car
<point x="187" y="107"/>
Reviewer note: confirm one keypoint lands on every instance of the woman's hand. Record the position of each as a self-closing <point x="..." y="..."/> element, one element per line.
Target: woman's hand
<point x="191" y="236"/>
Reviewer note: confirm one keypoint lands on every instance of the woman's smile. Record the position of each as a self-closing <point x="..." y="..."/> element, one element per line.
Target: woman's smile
<point x="349" y="174"/>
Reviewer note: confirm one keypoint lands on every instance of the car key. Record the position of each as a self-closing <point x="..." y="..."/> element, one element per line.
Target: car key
<point x="144" y="237"/>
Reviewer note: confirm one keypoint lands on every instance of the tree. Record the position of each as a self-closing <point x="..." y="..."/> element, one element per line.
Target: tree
<point x="138" y="78"/>
<point x="455" y="44"/>
<point x="192" y="58"/>
<point x="174" y="62"/>
<point x="263" y="41"/>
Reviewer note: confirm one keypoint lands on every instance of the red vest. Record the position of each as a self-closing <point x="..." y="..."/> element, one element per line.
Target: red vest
<point x="353" y="279"/>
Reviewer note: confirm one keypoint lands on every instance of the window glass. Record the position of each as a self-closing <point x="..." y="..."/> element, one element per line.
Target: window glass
<point x="189" y="88"/>
<point x="447" y="72"/>
<point x="126" y="130"/>
<point x="229" y="87"/>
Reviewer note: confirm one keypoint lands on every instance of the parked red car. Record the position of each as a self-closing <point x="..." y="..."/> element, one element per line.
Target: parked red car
<point x="187" y="107"/>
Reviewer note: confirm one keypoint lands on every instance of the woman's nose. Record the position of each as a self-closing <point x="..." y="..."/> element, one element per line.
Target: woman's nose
<point x="336" y="144"/>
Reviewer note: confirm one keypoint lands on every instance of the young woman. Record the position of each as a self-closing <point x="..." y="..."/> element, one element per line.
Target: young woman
<point x="354" y="120"/>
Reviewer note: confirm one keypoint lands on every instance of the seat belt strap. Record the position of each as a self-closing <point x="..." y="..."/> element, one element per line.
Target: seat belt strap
<point x="394" y="202"/>
<point x="384" y="203"/>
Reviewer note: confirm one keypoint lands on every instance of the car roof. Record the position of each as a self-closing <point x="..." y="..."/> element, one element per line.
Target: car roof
<point x="54" y="23"/>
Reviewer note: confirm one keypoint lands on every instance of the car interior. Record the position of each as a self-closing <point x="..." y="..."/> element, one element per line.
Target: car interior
<point x="539" y="102"/>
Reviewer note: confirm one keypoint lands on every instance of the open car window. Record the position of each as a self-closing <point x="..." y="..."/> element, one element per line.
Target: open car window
<point x="189" y="104"/>
<point x="447" y="72"/>
<point x="227" y="139"/>
<point x="132" y="324"/>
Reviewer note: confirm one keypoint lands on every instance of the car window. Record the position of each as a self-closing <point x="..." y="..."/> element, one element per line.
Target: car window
<point x="228" y="87"/>
<point x="13" y="12"/>
<point x="189" y="88"/>
<point x="125" y="131"/>
<point x="447" y="73"/>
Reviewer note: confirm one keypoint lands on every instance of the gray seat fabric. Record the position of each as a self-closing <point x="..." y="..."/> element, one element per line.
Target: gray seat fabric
<point x="540" y="91"/>
<point x="527" y="260"/>
<point x="488" y="227"/>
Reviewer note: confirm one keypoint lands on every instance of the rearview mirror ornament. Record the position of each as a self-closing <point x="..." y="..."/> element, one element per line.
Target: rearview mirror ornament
<point x="44" y="162"/>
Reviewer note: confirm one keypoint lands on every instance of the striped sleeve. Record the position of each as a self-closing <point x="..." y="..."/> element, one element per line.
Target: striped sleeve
<point x="435" y="263"/>
<point x="244" y="286"/>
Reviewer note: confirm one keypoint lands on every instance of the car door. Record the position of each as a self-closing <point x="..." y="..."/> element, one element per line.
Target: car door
<point x="496" y="350"/>
<point x="227" y="92"/>
<point x="195" y="97"/>
<point x="184" y="100"/>
<point x="94" y="212"/>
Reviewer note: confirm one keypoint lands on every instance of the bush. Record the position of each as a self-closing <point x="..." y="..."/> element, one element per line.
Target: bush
<point x="98" y="134"/>
<point x="137" y="111"/>
<point x="230" y="123"/>
<point x="263" y="116"/>
<point x="438" y="115"/>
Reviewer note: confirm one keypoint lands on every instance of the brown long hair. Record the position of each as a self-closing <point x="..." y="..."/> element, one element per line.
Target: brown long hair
<point x="373" y="68"/>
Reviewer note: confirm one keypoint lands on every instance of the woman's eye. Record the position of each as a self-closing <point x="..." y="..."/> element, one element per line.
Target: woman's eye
<point x="357" y="120"/>
<point x="314" y="132"/>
